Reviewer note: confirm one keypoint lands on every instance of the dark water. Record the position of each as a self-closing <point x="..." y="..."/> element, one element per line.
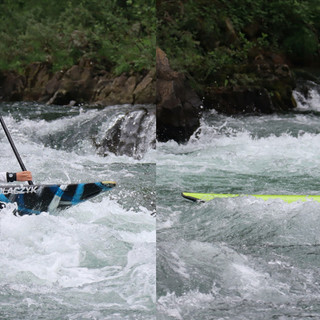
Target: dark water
<point x="241" y="258"/>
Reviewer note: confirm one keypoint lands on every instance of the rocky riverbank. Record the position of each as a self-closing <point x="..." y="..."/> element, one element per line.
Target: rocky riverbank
<point x="237" y="58"/>
<point x="263" y="86"/>
<point x="82" y="83"/>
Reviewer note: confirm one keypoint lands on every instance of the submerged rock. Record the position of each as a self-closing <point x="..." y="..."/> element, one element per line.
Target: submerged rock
<point x="132" y="134"/>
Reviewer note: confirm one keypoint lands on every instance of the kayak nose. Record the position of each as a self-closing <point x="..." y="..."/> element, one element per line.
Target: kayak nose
<point x="109" y="184"/>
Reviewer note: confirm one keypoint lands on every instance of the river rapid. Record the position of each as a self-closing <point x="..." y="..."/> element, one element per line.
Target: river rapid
<point x="241" y="258"/>
<point x="92" y="261"/>
<point x="238" y="258"/>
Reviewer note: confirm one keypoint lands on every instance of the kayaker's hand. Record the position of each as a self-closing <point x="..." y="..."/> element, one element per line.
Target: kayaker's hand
<point x="24" y="176"/>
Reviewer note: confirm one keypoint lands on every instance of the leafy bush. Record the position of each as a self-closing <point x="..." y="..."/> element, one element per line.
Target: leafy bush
<point x="212" y="38"/>
<point x="118" y="34"/>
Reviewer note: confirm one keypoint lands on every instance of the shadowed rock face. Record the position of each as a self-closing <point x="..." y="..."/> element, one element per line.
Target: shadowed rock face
<point x="245" y="100"/>
<point x="11" y="86"/>
<point x="82" y="83"/>
<point x="178" y="105"/>
<point x="133" y="134"/>
<point x="269" y="90"/>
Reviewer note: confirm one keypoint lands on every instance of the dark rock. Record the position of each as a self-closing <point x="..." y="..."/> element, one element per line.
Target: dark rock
<point x="146" y="89"/>
<point x="178" y="106"/>
<point x="82" y="83"/>
<point x="265" y="86"/>
<point x="102" y="89"/>
<point x="239" y="100"/>
<point x="61" y="97"/>
<point x="125" y="89"/>
<point x="52" y="86"/>
<point x="163" y="68"/>
<point x="11" y="86"/>
<point x="130" y="135"/>
<point x="37" y="75"/>
<point x="121" y="90"/>
<point x="76" y="84"/>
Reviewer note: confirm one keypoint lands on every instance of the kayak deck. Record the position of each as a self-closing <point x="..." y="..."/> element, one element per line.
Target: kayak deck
<point x="37" y="198"/>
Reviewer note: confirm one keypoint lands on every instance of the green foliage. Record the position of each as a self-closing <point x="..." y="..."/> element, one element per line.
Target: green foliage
<point x="301" y="43"/>
<point x="118" y="34"/>
<point x="211" y="39"/>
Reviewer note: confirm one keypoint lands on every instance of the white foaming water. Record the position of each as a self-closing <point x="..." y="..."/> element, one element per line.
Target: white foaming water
<point x="240" y="258"/>
<point x="92" y="261"/>
<point x="81" y="251"/>
<point x="243" y="164"/>
<point x="74" y="131"/>
<point x="311" y="102"/>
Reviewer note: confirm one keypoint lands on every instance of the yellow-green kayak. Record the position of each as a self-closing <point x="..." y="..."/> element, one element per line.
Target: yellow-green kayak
<point x="203" y="197"/>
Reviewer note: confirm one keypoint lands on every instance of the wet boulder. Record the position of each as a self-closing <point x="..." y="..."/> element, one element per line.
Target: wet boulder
<point x="178" y="106"/>
<point x="133" y="134"/>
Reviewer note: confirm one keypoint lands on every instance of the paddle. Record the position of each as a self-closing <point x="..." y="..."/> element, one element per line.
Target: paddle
<point x="13" y="146"/>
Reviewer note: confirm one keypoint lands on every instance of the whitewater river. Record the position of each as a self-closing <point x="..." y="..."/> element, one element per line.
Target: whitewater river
<point x="227" y="259"/>
<point x="241" y="258"/>
<point x="92" y="261"/>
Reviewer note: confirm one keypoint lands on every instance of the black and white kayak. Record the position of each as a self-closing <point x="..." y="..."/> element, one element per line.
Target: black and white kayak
<point x="37" y="198"/>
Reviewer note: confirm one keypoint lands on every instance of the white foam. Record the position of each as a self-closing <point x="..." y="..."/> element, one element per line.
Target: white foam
<point x="309" y="103"/>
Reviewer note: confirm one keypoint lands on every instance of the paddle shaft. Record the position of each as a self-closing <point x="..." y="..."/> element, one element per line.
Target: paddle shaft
<point x="13" y="147"/>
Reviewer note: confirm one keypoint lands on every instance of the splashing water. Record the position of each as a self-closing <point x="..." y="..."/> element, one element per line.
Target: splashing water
<point x="92" y="261"/>
<point x="241" y="258"/>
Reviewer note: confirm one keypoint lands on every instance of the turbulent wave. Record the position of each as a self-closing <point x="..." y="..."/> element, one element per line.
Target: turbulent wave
<point x="132" y="134"/>
<point x="307" y="96"/>
<point x="85" y="261"/>
<point x="92" y="261"/>
<point x="126" y="130"/>
<point x="240" y="258"/>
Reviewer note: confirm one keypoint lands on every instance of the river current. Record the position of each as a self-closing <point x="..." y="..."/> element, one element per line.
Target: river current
<point x="238" y="258"/>
<point x="92" y="261"/>
<point x="241" y="258"/>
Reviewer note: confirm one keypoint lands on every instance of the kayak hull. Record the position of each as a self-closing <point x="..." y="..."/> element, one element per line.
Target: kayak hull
<point x="34" y="199"/>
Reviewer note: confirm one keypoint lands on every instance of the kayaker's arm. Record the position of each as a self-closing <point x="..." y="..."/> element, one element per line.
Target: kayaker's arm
<point x="19" y="176"/>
